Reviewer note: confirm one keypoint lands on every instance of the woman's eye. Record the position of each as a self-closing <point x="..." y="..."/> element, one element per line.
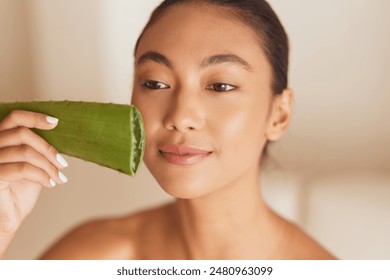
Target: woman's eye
<point x="150" y="84"/>
<point x="220" y="87"/>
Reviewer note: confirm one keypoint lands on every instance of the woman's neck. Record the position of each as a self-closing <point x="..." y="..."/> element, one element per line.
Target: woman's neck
<point x="233" y="223"/>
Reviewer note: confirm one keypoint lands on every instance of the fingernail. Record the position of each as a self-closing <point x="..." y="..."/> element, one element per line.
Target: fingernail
<point x="62" y="177"/>
<point x="61" y="160"/>
<point x="51" y="120"/>
<point x="52" y="183"/>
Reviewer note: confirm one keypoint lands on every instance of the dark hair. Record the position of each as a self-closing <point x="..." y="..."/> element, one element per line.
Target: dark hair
<point x="257" y="14"/>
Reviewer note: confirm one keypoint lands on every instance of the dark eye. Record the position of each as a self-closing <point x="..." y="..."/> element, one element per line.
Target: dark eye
<point x="220" y="87"/>
<point x="150" y="84"/>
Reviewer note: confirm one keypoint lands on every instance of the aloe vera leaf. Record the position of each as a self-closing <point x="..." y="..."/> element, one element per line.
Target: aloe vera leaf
<point x="111" y="135"/>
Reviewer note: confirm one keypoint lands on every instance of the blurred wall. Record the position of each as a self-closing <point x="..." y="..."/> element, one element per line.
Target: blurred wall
<point x="16" y="74"/>
<point x="330" y="174"/>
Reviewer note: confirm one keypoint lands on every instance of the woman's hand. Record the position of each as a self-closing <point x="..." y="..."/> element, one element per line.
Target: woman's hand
<point x="27" y="163"/>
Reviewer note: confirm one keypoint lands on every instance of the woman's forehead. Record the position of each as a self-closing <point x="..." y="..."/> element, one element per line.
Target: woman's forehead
<point x="193" y="31"/>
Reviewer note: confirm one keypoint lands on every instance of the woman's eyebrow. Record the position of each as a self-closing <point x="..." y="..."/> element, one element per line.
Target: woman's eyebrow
<point x="209" y="61"/>
<point x="227" y="58"/>
<point x="155" y="57"/>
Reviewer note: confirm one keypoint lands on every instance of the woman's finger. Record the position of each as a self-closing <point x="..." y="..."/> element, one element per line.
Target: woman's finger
<point x="28" y="119"/>
<point x="24" y="136"/>
<point x="11" y="172"/>
<point x="27" y="154"/>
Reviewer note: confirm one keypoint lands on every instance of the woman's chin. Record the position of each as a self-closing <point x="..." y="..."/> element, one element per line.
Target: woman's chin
<point x="185" y="191"/>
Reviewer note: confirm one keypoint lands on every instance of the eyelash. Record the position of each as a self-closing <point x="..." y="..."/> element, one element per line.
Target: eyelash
<point x="214" y="87"/>
<point x="155" y="85"/>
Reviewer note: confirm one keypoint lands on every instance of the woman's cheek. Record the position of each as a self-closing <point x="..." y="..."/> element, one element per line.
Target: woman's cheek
<point x="244" y="131"/>
<point x="150" y="110"/>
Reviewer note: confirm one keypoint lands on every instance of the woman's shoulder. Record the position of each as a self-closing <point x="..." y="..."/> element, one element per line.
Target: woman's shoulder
<point x="298" y="245"/>
<point x="109" y="238"/>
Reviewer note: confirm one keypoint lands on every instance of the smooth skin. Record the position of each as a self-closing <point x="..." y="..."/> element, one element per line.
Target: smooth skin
<point x="196" y="84"/>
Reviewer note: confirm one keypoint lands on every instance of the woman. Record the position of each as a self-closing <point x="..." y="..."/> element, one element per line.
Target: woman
<point x="211" y="83"/>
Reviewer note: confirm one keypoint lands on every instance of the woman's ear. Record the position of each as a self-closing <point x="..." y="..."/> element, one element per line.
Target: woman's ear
<point x="280" y="115"/>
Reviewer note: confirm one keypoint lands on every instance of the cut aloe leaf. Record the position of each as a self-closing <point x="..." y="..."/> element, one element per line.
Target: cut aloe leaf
<point x="111" y="135"/>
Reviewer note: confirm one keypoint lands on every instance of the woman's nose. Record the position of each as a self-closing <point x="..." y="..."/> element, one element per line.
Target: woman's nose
<point x="185" y="113"/>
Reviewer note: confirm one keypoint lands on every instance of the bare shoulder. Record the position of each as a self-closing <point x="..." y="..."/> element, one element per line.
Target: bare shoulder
<point x="98" y="239"/>
<point x="298" y="245"/>
<point x="110" y="238"/>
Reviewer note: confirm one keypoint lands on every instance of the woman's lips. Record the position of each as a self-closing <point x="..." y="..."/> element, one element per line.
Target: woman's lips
<point x="183" y="155"/>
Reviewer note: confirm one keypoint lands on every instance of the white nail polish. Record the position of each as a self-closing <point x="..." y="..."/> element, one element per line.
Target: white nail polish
<point x="62" y="177"/>
<point x="51" y="120"/>
<point x="52" y="183"/>
<point x="61" y="160"/>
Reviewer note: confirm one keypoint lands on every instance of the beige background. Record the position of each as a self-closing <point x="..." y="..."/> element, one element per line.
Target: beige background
<point x="330" y="174"/>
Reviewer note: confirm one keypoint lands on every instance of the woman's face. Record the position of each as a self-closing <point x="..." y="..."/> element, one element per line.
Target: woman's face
<point x="203" y="86"/>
